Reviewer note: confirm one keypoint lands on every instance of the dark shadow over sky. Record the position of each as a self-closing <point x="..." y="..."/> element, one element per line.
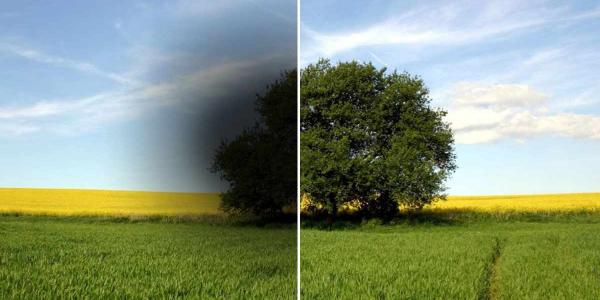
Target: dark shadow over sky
<point x="133" y="95"/>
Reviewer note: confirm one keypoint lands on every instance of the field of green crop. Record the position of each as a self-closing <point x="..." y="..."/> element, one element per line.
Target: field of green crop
<point x="485" y="258"/>
<point x="70" y="257"/>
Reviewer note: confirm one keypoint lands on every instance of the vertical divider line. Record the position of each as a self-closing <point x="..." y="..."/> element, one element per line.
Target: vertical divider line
<point x="298" y="199"/>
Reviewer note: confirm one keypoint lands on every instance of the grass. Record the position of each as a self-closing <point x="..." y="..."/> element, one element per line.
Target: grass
<point x="65" y="202"/>
<point x="545" y="249"/>
<point x="402" y="265"/>
<point x="82" y="257"/>
<point x="483" y="260"/>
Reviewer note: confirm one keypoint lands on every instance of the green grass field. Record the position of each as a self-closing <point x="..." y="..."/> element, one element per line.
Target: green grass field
<point x="480" y="257"/>
<point x="78" y="257"/>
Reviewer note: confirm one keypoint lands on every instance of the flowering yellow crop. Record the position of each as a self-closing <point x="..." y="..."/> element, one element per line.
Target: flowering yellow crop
<point x="500" y="203"/>
<point x="102" y="202"/>
<point x="526" y="203"/>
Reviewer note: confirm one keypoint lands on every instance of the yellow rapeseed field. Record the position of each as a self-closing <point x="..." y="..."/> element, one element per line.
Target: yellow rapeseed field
<point x="502" y="203"/>
<point x="526" y="203"/>
<point x="104" y="202"/>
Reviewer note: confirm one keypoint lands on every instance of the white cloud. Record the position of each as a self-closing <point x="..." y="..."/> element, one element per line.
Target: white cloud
<point x="483" y="113"/>
<point x="497" y="95"/>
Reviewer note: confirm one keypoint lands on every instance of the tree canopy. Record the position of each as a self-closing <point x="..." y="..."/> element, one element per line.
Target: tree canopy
<point x="371" y="138"/>
<point x="261" y="163"/>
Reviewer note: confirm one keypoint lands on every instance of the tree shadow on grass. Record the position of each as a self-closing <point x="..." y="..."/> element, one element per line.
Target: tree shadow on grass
<point x="233" y="220"/>
<point x="449" y="217"/>
<point x="357" y="221"/>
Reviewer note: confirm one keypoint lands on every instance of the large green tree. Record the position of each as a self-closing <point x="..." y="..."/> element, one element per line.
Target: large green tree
<point x="371" y="137"/>
<point x="261" y="163"/>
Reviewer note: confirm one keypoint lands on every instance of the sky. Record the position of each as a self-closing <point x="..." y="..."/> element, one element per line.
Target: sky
<point x="132" y="95"/>
<point x="519" y="79"/>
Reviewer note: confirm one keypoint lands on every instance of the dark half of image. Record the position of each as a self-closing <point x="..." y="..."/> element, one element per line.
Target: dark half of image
<point x="148" y="149"/>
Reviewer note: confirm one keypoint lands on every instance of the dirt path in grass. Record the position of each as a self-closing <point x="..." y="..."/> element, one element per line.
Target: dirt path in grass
<point x="489" y="279"/>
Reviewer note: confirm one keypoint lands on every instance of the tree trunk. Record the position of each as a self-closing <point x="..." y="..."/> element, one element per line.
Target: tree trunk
<point x="387" y="207"/>
<point x="333" y="209"/>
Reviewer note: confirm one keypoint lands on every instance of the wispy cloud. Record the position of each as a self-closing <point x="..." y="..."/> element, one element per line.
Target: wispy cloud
<point x="190" y="92"/>
<point x="377" y="58"/>
<point x="216" y="8"/>
<point x="41" y="57"/>
<point x="291" y="19"/>
<point x="9" y="14"/>
<point x="197" y="8"/>
<point x="439" y="24"/>
<point x="189" y="75"/>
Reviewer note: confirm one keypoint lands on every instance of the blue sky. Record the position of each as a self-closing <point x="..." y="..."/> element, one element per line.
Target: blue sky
<point x="518" y="78"/>
<point x="132" y="94"/>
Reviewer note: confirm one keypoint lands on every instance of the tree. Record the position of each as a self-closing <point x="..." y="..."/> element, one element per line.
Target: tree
<point x="371" y="137"/>
<point x="261" y="163"/>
